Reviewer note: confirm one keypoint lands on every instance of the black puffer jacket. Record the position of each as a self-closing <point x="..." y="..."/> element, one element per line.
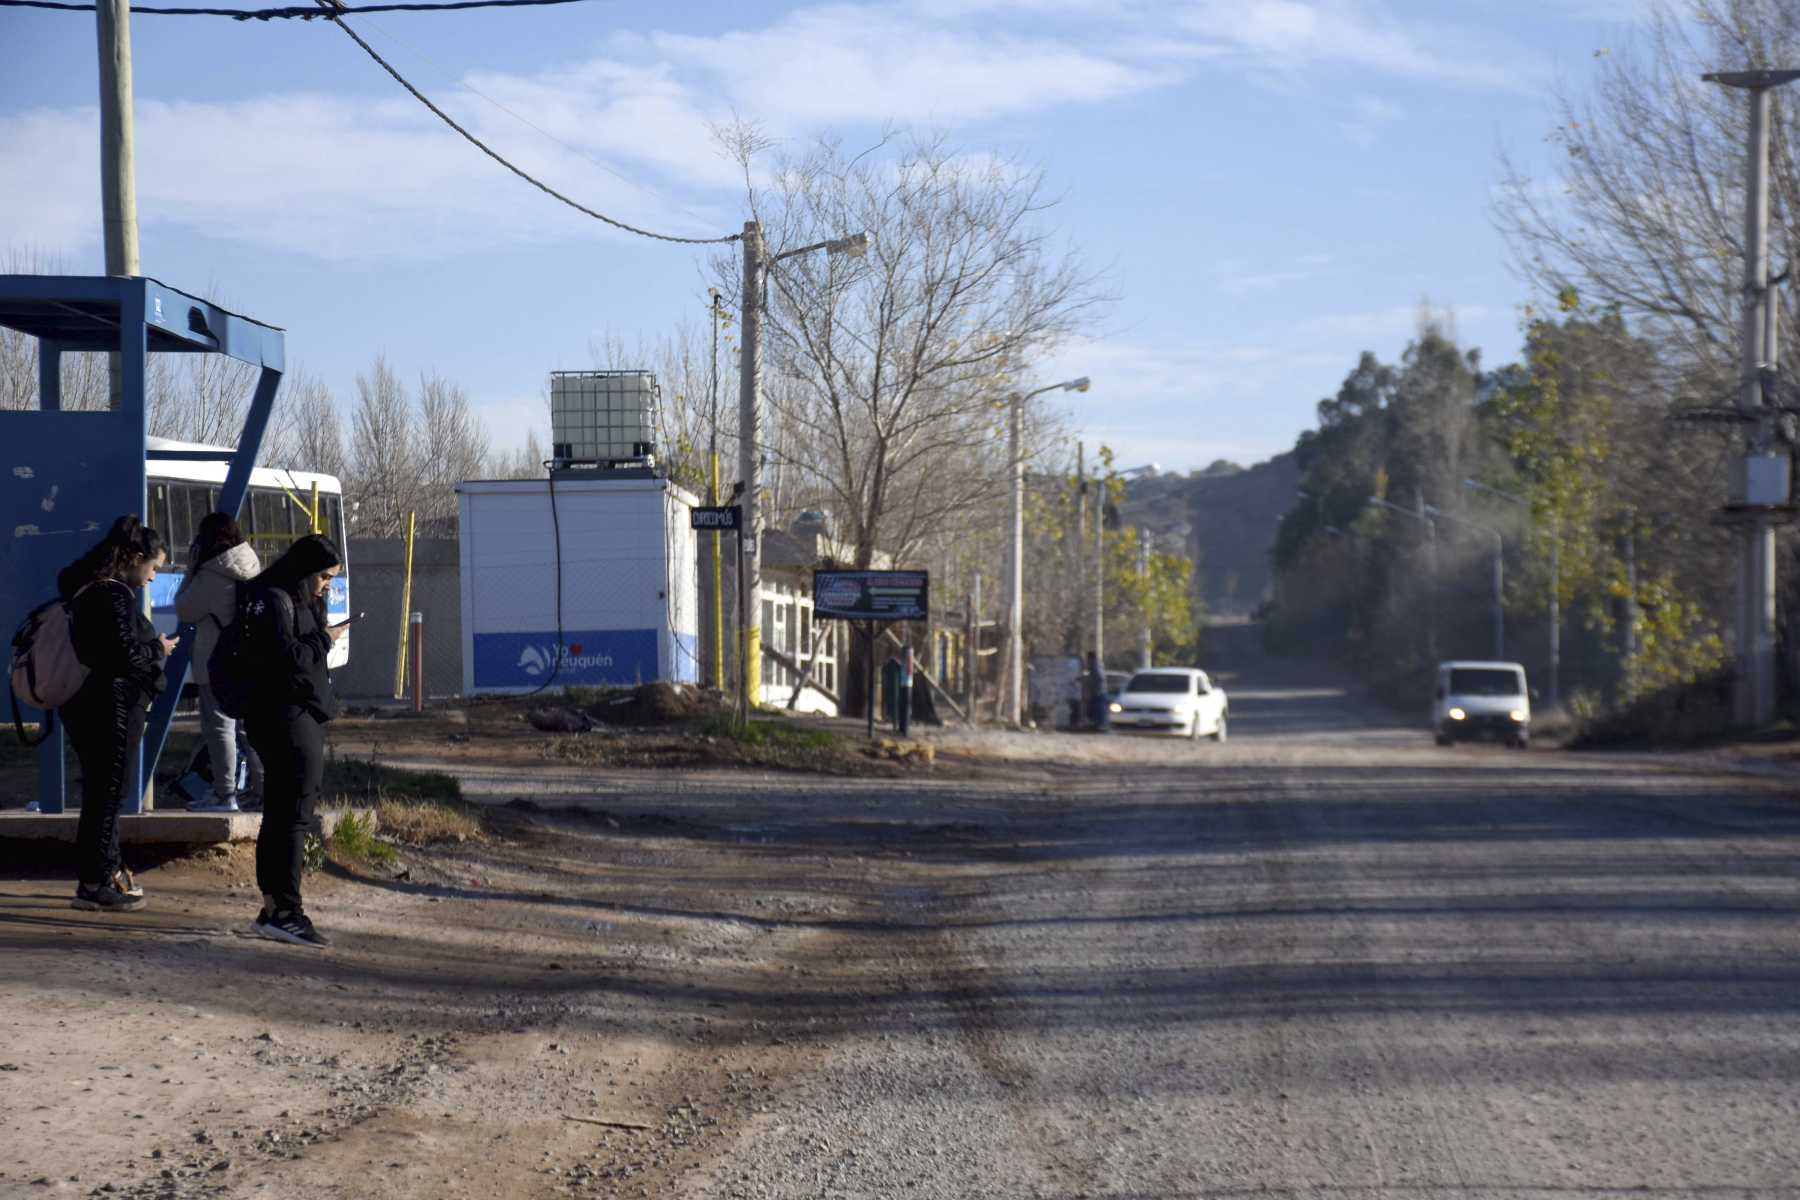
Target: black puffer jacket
<point x="289" y="638"/>
<point x="118" y="645"/>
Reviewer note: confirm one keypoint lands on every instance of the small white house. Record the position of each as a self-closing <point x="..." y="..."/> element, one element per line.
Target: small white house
<point x="615" y="548"/>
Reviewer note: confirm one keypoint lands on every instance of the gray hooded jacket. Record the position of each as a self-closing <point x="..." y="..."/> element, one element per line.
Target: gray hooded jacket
<point x="208" y="599"/>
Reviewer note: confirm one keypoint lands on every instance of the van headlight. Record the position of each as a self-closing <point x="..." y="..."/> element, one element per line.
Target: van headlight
<point x="1518" y="714"/>
<point x="1457" y="714"/>
<point x="1118" y="708"/>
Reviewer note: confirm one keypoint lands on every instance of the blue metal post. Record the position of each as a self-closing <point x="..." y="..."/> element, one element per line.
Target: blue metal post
<point x="51" y="755"/>
<point x="133" y="347"/>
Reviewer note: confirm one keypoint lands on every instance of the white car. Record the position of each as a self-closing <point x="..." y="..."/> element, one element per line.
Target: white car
<point x="1481" y="699"/>
<point x="1178" y="700"/>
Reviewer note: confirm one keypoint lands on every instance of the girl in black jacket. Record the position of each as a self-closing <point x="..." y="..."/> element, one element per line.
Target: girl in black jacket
<point x="124" y="656"/>
<point x="289" y="641"/>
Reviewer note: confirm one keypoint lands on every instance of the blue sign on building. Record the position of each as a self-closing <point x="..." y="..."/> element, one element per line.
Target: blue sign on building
<point x="591" y="656"/>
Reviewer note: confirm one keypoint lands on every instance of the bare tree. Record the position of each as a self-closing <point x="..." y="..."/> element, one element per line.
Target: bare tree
<point x="525" y="463"/>
<point x="883" y="373"/>
<point x="1646" y="212"/>
<point x="384" y="455"/>
<point x="453" y="447"/>
<point x="306" y="431"/>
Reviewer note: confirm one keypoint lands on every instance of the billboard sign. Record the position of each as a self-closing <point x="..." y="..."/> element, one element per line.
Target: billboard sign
<point x="872" y="595"/>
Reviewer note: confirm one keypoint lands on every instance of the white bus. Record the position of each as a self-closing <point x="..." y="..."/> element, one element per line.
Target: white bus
<point x="278" y="510"/>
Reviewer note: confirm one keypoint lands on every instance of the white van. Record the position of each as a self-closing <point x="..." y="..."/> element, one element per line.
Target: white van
<point x="1481" y="699"/>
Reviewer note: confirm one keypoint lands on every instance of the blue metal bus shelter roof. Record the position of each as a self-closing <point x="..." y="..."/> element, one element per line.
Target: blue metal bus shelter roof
<point x="65" y="475"/>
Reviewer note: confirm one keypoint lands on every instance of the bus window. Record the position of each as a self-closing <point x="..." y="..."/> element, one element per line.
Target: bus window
<point x="334" y="518"/>
<point x="158" y="517"/>
<point x="179" y="534"/>
<point x="274" y="531"/>
<point x="200" y="503"/>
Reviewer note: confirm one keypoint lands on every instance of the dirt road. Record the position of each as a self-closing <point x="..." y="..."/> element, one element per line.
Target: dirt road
<point x="1326" y="959"/>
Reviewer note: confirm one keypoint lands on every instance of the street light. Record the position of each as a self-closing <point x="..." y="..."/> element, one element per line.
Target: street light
<point x="1015" y="547"/>
<point x="749" y="430"/>
<point x="1555" y="580"/>
<point x="1431" y="535"/>
<point x="1499" y="577"/>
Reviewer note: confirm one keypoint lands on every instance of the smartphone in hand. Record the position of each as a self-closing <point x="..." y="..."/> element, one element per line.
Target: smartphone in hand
<point x="350" y="620"/>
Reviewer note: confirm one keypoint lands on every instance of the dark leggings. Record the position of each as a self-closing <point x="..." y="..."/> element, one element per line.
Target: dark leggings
<point x="291" y="745"/>
<point x="105" y="723"/>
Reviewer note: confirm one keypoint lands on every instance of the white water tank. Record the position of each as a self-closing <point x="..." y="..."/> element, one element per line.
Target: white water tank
<point x="603" y="417"/>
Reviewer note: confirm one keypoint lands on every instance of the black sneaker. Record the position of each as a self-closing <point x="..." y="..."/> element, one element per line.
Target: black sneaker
<point x="123" y="881"/>
<point x="105" y="898"/>
<point x="288" y="927"/>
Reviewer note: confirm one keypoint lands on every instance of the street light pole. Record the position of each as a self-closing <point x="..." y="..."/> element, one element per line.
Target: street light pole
<point x="1499" y="577"/>
<point x="1144" y="639"/>
<point x="1555" y="582"/>
<point x="756" y="264"/>
<point x="1755" y="700"/>
<point x="1099" y="567"/>
<point x="1015" y="548"/>
<point x="1431" y="536"/>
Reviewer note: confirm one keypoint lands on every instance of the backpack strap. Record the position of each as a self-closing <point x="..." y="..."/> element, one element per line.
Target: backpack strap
<point x="44" y="730"/>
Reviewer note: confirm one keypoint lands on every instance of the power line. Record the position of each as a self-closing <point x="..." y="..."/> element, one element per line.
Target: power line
<point x="572" y="149"/>
<point x="297" y="13"/>
<point x="334" y="16"/>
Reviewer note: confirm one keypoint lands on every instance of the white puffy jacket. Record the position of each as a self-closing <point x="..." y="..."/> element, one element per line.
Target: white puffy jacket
<point x="208" y="599"/>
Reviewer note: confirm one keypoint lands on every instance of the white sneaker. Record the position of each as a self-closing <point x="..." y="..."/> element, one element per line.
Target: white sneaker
<point x="216" y="806"/>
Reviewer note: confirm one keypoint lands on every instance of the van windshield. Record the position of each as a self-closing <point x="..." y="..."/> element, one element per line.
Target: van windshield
<point x="1160" y="683"/>
<point x="1486" y="681"/>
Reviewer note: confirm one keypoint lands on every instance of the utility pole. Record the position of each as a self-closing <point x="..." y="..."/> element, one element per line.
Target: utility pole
<point x="1081" y="508"/>
<point x="118" y="172"/>
<point x="1432" y="550"/>
<point x="1013" y="684"/>
<point x="718" y="577"/>
<point x="1099" y="568"/>
<point x="750" y="466"/>
<point x="1144" y="640"/>
<point x="1758" y="484"/>
<point x="972" y="649"/>
<point x="1013" y="695"/>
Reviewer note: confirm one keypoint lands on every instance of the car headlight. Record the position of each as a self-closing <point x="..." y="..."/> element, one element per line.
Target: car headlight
<point x="1518" y="714"/>
<point x="1117" y="707"/>
<point x="1457" y="714"/>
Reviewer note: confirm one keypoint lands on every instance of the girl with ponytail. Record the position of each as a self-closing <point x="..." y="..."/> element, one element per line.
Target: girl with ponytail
<point x="124" y="656"/>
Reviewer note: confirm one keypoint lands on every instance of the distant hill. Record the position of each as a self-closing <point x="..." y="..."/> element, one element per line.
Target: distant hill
<point x="1226" y="519"/>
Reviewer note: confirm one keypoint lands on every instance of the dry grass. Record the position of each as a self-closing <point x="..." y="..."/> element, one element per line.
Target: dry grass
<point x="426" y="822"/>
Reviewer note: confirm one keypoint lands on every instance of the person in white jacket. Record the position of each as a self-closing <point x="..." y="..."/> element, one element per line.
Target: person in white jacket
<point x="219" y="561"/>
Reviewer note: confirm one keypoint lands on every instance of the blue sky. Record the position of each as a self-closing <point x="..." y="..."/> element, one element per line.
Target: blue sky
<point x="1268" y="186"/>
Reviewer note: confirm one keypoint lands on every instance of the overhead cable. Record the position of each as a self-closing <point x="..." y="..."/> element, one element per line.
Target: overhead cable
<point x="308" y="12"/>
<point x="334" y="15"/>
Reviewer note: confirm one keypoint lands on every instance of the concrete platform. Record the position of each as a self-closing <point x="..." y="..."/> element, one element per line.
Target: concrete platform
<point x="175" y="828"/>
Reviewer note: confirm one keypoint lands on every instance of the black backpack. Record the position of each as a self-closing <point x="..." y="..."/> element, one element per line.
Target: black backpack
<point x="231" y="671"/>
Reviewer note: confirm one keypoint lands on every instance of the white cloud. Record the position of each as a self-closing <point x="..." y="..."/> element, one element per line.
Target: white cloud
<point x="339" y="177"/>
<point x="875" y="64"/>
<point x="1368" y="116"/>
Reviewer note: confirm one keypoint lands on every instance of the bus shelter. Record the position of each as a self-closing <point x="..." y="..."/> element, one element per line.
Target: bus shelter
<point x="68" y="473"/>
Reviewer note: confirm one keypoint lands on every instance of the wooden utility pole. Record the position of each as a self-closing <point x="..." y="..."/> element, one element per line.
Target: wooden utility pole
<point x="118" y="174"/>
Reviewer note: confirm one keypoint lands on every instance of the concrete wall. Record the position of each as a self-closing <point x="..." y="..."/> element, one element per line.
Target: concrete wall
<point x="377" y="573"/>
